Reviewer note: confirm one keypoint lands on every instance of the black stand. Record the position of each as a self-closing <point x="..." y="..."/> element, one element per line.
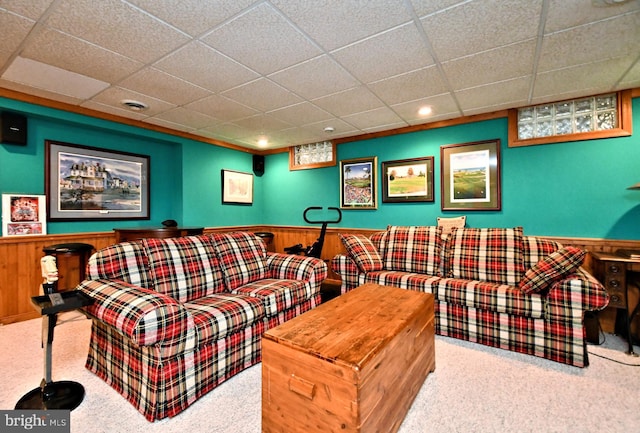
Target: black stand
<point x="50" y="394"/>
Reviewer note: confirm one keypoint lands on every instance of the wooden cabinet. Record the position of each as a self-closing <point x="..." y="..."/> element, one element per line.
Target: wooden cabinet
<point x="353" y="364"/>
<point x="130" y="234"/>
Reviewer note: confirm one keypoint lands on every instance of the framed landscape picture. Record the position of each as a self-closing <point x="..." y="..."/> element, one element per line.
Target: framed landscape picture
<point x="88" y="183"/>
<point x="237" y="187"/>
<point x="24" y="214"/>
<point x="407" y="180"/>
<point x="358" y="183"/>
<point x="470" y="176"/>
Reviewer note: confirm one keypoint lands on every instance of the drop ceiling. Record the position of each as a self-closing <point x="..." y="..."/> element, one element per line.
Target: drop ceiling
<point x="239" y="70"/>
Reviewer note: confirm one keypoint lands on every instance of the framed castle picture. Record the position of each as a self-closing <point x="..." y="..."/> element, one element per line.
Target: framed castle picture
<point x="88" y="183"/>
<point x="24" y="214"/>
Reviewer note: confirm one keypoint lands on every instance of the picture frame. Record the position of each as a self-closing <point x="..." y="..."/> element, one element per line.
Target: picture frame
<point x="407" y="180"/>
<point x="358" y="183"/>
<point x="24" y="215"/>
<point x="90" y="183"/>
<point x="470" y="176"/>
<point x="237" y="187"/>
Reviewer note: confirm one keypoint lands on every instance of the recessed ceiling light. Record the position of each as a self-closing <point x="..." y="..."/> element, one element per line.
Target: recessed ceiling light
<point x="134" y="105"/>
<point x="425" y="111"/>
<point x="262" y="142"/>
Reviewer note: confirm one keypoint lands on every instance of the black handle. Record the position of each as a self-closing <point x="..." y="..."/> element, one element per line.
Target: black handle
<point x="324" y="221"/>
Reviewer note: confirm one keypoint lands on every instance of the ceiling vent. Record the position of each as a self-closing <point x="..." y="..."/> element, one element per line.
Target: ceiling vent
<point x="134" y="105"/>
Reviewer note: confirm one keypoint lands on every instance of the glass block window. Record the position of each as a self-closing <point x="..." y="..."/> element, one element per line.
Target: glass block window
<point x="584" y="115"/>
<point x="313" y="155"/>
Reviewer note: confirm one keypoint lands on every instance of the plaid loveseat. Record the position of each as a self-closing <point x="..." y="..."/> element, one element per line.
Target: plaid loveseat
<point x="174" y="318"/>
<point x="491" y="286"/>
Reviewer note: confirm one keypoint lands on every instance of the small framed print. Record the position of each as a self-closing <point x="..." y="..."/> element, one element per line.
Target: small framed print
<point x="237" y="187"/>
<point x="470" y="176"/>
<point x="24" y="214"/>
<point x="358" y="183"/>
<point x="407" y="180"/>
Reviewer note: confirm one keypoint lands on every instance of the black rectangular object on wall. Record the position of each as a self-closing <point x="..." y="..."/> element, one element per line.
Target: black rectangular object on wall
<point x="258" y="165"/>
<point x="13" y="128"/>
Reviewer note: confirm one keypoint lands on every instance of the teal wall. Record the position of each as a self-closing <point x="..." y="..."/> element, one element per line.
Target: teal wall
<point x="575" y="189"/>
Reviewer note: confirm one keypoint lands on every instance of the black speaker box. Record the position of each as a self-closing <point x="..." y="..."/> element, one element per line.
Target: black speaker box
<point x="13" y="128"/>
<point x="258" y="165"/>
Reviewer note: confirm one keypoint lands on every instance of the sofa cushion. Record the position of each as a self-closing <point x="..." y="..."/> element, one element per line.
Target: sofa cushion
<point x="536" y="249"/>
<point x="413" y="249"/>
<point x="487" y="254"/>
<point x="219" y="315"/>
<point x="362" y="251"/>
<point x="126" y="261"/>
<point x="555" y="267"/>
<point x="243" y="258"/>
<point x="276" y="295"/>
<point x="185" y="268"/>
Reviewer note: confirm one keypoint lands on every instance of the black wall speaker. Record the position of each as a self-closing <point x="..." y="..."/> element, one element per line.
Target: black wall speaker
<point x="258" y="165"/>
<point x="13" y="128"/>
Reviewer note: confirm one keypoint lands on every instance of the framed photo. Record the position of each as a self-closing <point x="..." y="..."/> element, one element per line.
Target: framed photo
<point x="358" y="188"/>
<point x="24" y="214"/>
<point x="237" y="187"/>
<point x="88" y="183"/>
<point x="471" y="176"/>
<point x="407" y="180"/>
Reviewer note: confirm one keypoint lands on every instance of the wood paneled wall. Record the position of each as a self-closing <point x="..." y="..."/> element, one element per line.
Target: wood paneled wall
<point x="20" y="277"/>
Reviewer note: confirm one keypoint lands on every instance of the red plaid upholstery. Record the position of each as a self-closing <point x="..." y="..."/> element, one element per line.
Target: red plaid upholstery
<point x="493" y="255"/>
<point x="126" y="261"/>
<point x="277" y="295"/>
<point x="413" y="249"/>
<point x="242" y="256"/>
<point x="362" y="251"/>
<point x="555" y="267"/>
<point x="184" y="268"/>
<point x="220" y="315"/>
<point x="548" y="325"/>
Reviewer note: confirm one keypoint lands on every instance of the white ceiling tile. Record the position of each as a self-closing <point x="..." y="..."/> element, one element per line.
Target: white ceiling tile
<point x="75" y="55"/>
<point x="14" y="30"/>
<point x="117" y="26"/>
<point x="350" y="101"/>
<point x="168" y="124"/>
<point x="160" y="85"/>
<point x="385" y="55"/>
<point x="492" y="96"/>
<point x="471" y="71"/>
<point x="190" y="118"/>
<point x="193" y="16"/>
<point x="564" y="14"/>
<point x="41" y="93"/>
<point x="32" y="9"/>
<point x="335" y="23"/>
<point x="202" y="65"/>
<point x="407" y="87"/>
<point x="221" y="108"/>
<point x="115" y="110"/>
<point x="371" y="119"/>
<point x="422" y="7"/>
<point x="263" y="40"/>
<point x="442" y="105"/>
<point x="301" y="114"/>
<point x="605" y="39"/>
<point x="315" y="78"/>
<point x="263" y="95"/>
<point x="480" y="25"/>
<point x="261" y="123"/>
<point x="40" y="75"/>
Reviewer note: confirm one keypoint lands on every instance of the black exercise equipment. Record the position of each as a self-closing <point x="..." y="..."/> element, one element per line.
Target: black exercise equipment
<point x="316" y="249"/>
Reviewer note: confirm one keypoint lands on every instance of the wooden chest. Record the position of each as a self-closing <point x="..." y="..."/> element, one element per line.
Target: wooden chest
<point x="353" y="364"/>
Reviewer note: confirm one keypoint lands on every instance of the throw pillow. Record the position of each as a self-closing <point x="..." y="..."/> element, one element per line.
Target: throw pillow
<point x="552" y="268"/>
<point x="488" y="254"/>
<point x="243" y="258"/>
<point x="362" y="251"/>
<point x="448" y="224"/>
<point x="414" y="249"/>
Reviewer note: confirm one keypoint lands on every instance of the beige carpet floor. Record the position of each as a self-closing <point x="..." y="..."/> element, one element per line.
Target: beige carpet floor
<point x="474" y="389"/>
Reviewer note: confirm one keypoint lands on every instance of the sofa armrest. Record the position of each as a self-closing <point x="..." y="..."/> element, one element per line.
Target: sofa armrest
<point x="348" y="270"/>
<point x="294" y="267"/>
<point x="144" y="316"/>
<point x="577" y="293"/>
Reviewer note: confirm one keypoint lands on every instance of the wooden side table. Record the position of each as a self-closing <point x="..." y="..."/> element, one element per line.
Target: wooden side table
<point x="130" y="234"/>
<point x="617" y="273"/>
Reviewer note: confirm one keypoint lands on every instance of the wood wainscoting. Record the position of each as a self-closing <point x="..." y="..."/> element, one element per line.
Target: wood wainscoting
<point x="20" y="277"/>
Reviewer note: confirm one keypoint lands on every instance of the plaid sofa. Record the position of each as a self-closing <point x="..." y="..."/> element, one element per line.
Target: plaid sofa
<point x="174" y="318"/>
<point x="491" y="286"/>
